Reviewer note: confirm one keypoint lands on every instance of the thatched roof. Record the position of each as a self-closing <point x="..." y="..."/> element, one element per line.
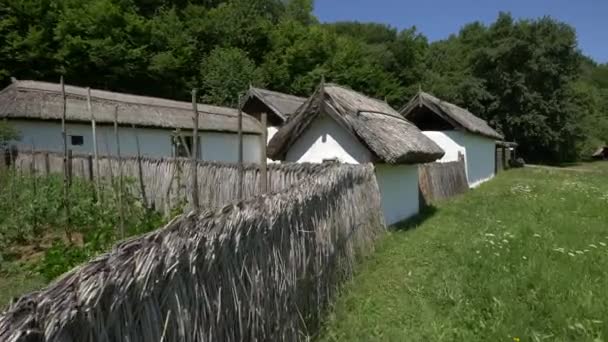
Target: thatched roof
<point x="283" y="105"/>
<point x="380" y="128"/>
<point x="42" y="100"/>
<point x="458" y="117"/>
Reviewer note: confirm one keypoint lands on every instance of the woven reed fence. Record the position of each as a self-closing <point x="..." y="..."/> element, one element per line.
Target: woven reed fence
<point x="167" y="181"/>
<point x="257" y="270"/>
<point x="439" y="181"/>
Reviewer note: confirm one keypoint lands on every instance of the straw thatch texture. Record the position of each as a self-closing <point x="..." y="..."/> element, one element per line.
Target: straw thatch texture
<point x="438" y="181"/>
<point x="454" y="115"/>
<point x="283" y="105"/>
<point x="258" y="270"/>
<point x="380" y="128"/>
<point x="43" y="101"/>
<point x="167" y="180"/>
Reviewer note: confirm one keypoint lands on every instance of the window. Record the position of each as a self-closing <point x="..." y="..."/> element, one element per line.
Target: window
<point x="77" y="140"/>
<point x="179" y="148"/>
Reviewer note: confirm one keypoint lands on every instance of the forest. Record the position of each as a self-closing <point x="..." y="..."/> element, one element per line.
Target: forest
<point x="528" y="78"/>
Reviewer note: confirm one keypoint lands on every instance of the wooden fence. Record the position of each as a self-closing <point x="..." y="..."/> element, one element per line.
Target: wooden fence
<point x="439" y="181"/>
<point x="167" y="181"/>
<point x="258" y="270"/>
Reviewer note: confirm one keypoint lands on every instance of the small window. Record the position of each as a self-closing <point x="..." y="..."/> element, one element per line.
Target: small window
<point x="182" y="150"/>
<point x="77" y="140"/>
<point x="331" y="160"/>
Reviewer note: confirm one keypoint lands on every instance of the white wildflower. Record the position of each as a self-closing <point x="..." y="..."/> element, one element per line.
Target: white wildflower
<point x="524" y="257"/>
<point x="571" y="254"/>
<point x="592" y="246"/>
<point x="603" y="244"/>
<point x="579" y="252"/>
<point x="537" y="235"/>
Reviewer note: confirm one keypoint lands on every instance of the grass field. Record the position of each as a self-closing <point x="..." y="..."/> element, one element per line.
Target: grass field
<point x="522" y="258"/>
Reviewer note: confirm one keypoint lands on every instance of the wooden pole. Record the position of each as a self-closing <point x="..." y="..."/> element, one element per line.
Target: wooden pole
<point x="240" y="151"/>
<point x="95" y="148"/>
<point x="194" y="175"/>
<point x="140" y="170"/>
<point x="90" y="168"/>
<point x="66" y="184"/>
<point x="120" y="185"/>
<point x="264" y="161"/>
<point x="47" y="164"/>
<point x="70" y="167"/>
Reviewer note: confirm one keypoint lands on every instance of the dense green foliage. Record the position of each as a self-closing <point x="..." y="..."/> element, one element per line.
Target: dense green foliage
<point x="7" y="134"/>
<point x="35" y="235"/>
<point x="527" y="78"/>
<point x="522" y="258"/>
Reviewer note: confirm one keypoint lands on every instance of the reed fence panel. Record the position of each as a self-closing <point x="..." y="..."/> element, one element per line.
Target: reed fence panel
<point x="438" y="181"/>
<point x="255" y="270"/>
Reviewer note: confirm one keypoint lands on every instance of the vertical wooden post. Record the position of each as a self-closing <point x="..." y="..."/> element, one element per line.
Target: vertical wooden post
<point x="70" y="167"/>
<point x="33" y="164"/>
<point x="90" y="167"/>
<point x="240" y="151"/>
<point x="140" y="171"/>
<point x="194" y="173"/>
<point x="120" y="186"/>
<point x="47" y="164"/>
<point x="264" y="160"/>
<point x="66" y="184"/>
<point x="95" y="148"/>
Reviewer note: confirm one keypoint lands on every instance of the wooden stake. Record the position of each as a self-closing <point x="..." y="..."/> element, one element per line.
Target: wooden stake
<point x="95" y="148"/>
<point x="140" y="170"/>
<point x="120" y="186"/>
<point x="194" y="175"/>
<point x="264" y="161"/>
<point x="66" y="184"/>
<point x="47" y="164"/>
<point x="90" y="168"/>
<point x="240" y="151"/>
<point x="70" y="167"/>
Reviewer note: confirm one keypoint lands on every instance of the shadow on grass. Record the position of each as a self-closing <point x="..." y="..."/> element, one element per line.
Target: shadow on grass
<point x="415" y="221"/>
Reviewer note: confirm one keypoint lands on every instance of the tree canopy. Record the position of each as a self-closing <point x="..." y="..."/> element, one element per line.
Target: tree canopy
<point x="526" y="77"/>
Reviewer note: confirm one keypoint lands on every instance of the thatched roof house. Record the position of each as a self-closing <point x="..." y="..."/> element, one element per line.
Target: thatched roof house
<point x="340" y="125"/>
<point x="278" y="106"/>
<point x="35" y="109"/>
<point x="42" y="101"/>
<point x="377" y="126"/>
<point x="456" y="129"/>
<point x="424" y="109"/>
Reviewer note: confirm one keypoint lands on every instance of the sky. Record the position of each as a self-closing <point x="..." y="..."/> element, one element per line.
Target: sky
<point x="437" y="19"/>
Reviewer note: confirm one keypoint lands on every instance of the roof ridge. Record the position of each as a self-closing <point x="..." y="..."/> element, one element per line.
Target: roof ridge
<point x="278" y="93"/>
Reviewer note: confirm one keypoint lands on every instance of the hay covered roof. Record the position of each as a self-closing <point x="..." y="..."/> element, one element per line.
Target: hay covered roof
<point x="380" y="128"/>
<point x="458" y="117"/>
<point x="42" y="100"/>
<point x="283" y="105"/>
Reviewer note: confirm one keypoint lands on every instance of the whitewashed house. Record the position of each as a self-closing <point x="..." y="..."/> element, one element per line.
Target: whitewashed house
<point x="456" y="130"/>
<point x="339" y="124"/>
<point x="35" y="110"/>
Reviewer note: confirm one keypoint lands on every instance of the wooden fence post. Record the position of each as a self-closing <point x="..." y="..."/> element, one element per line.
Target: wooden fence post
<point x="90" y="167"/>
<point x="47" y="164"/>
<point x="95" y="148"/>
<point x="264" y="160"/>
<point x="66" y="181"/>
<point x="194" y="173"/>
<point x="240" y="152"/>
<point x="140" y="171"/>
<point x="120" y="186"/>
<point x="70" y="167"/>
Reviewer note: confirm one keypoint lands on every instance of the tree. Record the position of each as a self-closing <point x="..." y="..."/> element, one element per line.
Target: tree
<point x="226" y="73"/>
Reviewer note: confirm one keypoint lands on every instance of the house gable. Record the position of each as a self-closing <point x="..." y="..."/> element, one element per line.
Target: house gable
<point x="325" y="139"/>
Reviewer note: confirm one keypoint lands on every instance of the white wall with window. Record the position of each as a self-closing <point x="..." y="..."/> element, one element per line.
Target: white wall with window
<point x="153" y="142"/>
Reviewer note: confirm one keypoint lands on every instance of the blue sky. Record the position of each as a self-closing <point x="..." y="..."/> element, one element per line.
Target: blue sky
<point x="437" y="19"/>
